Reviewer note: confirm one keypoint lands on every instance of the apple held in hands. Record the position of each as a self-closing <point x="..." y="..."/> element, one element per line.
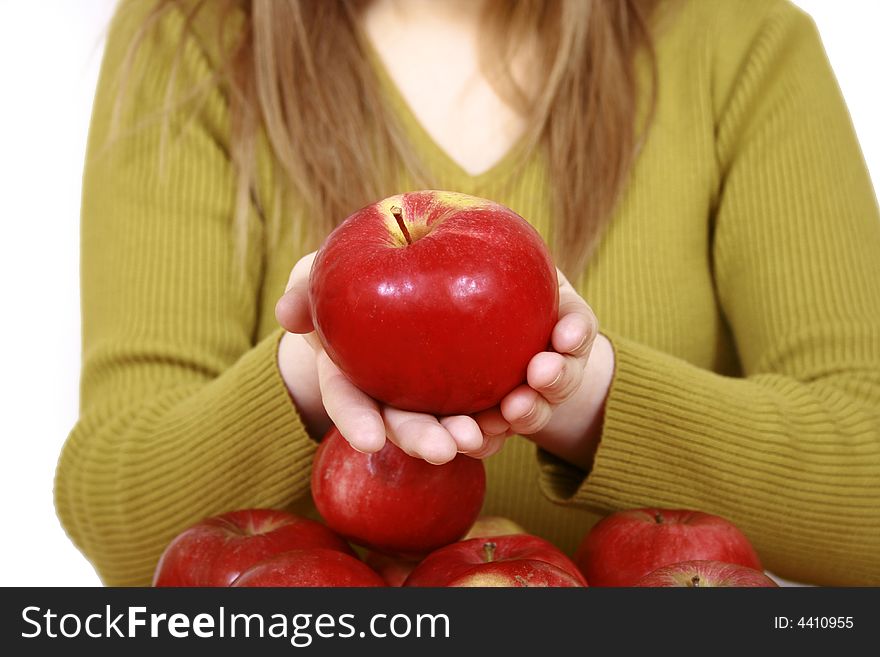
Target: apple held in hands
<point x="217" y="550"/>
<point x="392" y="502"/>
<point x="520" y="560"/>
<point x="705" y="574"/>
<point x="434" y="301"/>
<point x="310" y="568"/>
<point x="624" y="547"/>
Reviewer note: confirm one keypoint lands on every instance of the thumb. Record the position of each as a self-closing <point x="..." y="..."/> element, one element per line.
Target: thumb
<point x="293" y="310"/>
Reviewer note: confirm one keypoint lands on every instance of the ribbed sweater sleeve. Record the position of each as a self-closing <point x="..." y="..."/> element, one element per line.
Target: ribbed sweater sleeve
<point x="183" y="413"/>
<point x="790" y="451"/>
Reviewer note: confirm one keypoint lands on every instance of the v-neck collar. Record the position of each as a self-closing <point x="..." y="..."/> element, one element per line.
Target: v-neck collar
<point x="436" y="158"/>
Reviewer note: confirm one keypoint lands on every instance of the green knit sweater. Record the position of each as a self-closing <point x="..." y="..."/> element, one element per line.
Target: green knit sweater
<point x="739" y="283"/>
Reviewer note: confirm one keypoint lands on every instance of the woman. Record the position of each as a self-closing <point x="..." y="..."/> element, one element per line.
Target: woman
<point x="691" y="163"/>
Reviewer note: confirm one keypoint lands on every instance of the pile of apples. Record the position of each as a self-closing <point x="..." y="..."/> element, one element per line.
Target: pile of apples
<point x="435" y="302"/>
<point x="417" y="524"/>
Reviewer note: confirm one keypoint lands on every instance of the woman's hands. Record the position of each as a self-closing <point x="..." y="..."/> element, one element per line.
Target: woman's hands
<point x="562" y="403"/>
<point x="559" y="406"/>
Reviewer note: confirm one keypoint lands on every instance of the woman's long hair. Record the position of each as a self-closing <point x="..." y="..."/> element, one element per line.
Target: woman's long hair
<point x="298" y="71"/>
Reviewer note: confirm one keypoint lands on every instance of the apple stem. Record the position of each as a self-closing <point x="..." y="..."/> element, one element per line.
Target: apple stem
<point x="398" y="216"/>
<point x="658" y="518"/>
<point x="695" y="580"/>
<point x="489" y="551"/>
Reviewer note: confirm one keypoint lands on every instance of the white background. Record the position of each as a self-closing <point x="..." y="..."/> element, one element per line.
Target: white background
<point x="49" y="57"/>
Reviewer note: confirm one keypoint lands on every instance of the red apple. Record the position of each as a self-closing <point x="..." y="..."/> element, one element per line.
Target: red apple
<point x="216" y="550"/>
<point x="705" y="574"/>
<point x="513" y="560"/>
<point x="434" y="301"/>
<point x="625" y="546"/>
<point x="394" y="570"/>
<point x="392" y="502"/>
<point x="315" y="567"/>
<point x="488" y="526"/>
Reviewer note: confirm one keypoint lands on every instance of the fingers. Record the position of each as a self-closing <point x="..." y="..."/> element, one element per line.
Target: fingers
<point x="526" y="410"/>
<point x="364" y="424"/>
<point x="361" y="421"/>
<point x="464" y="431"/>
<point x="292" y="310"/>
<point x="496" y="430"/>
<point x="575" y="332"/>
<point x="491" y="445"/>
<point x="577" y="326"/>
<point x="555" y="376"/>
<point x="422" y="436"/>
<point x="419" y="435"/>
<point x="492" y="422"/>
<point x="354" y="413"/>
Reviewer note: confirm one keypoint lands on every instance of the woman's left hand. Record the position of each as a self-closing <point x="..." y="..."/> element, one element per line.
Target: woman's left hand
<point x="560" y="405"/>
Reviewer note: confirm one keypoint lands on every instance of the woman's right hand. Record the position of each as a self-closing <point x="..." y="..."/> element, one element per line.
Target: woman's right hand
<point x="323" y="394"/>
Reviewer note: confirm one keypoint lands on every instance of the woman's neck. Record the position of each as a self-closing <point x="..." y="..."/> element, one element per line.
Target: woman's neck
<point x="431" y="52"/>
<point x="466" y="11"/>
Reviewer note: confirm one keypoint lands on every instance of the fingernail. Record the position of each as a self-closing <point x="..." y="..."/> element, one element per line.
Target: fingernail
<point x="584" y="344"/>
<point x="531" y="412"/>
